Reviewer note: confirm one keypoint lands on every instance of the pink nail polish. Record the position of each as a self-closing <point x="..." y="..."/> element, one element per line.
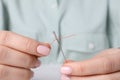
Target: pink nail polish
<point x="64" y="77"/>
<point x="43" y="50"/>
<point x="66" y="70"/>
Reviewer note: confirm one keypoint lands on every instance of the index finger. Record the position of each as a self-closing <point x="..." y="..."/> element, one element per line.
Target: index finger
<point x="23" y="44"/>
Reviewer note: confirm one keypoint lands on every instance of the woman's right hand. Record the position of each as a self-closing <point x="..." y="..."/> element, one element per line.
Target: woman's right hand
<point x="18" y="54"/>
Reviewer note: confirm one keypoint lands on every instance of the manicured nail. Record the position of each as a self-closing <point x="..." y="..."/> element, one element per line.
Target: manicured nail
<point x="44" y="50"/>
<point x="66" y="70"/>
<point x="64" y="77"/>
<point x="37" y="64"/>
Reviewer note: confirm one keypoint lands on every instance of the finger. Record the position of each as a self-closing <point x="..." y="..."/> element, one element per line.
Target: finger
<point x="100" y="65"/>
<point x="107" y="52"/>
<point x="23" y="44"/>
<point x="112" y="76"/>
<point x="18" y="59"/>
<point x="12" y="73"/>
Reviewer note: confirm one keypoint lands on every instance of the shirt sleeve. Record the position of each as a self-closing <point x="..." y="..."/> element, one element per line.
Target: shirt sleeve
<point x="114" y="23"/>
<point x="4" y="20"/>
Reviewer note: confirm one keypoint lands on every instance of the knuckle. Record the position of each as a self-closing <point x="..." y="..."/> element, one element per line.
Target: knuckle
<point x="1" y="49"/>
<point x="4" y="37"/>
<point x="81" y="69"/>
<point x="108" y="65"/>
<point x="3" y="54"/>
<point x="3" y="72"/>
<point x="29" y="45"/>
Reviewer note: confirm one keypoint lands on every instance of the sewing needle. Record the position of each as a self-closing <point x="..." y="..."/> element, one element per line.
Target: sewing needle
<point x="59" y="45"/>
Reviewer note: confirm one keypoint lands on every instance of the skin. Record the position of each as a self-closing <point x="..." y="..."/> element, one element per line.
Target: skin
<point x="104" y="66"/>
<point x="18" y="54"/>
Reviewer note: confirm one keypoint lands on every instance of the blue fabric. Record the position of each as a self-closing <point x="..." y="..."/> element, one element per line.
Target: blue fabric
<point x="95" y="24"/>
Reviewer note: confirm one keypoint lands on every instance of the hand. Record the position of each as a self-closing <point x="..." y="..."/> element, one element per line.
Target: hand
<point x="104" y="66"/>
<point x="18" y="54"/>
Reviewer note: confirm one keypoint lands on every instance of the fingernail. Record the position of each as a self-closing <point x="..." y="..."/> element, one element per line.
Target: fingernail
<point x="44" y="50"/>
<point x="66" y="70"/>
<point x="37" y="64"/>
<point x="64" y="77"/>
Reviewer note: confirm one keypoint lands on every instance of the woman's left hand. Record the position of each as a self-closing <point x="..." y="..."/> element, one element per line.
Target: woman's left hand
<point x="104" y="66"/>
